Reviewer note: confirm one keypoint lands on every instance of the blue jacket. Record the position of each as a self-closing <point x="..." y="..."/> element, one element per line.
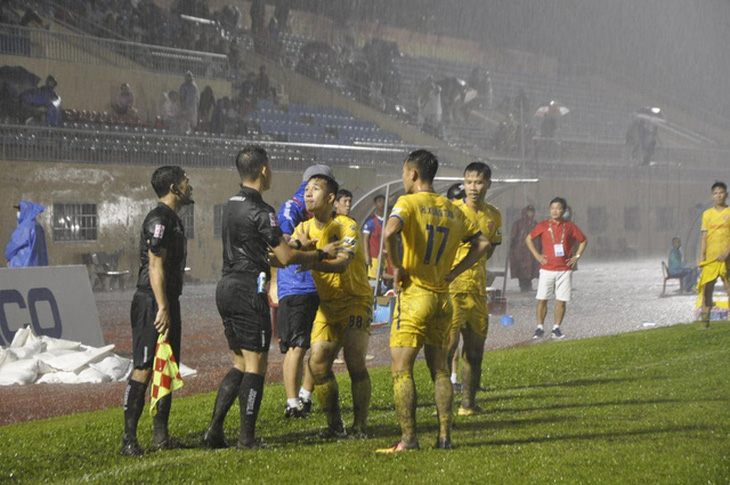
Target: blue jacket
<point x="27" y="246"/>
<point x="288" y="281"/>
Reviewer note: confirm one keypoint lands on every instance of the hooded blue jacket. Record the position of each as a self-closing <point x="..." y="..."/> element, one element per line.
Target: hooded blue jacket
<point x="288" y="281"/>
<point x="27" y="246"/>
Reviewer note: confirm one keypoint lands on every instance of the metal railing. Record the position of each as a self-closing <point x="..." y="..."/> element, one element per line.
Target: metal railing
<point x="80" y="49"/>
<point x="153" y="147"/>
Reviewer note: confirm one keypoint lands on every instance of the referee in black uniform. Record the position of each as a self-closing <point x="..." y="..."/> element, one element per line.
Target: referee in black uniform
<point x="250" y="232"/>
<point x="155" y="305"/>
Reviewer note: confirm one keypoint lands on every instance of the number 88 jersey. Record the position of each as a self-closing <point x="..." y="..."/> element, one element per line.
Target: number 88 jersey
<point x="433" y="228"/>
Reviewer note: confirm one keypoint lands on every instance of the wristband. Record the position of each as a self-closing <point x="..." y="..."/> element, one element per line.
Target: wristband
<point x="298" y="244"/>
<point x="577" y="256"/>
<point x="321" y="254"/>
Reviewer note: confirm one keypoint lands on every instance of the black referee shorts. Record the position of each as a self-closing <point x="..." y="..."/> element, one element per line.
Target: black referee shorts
<point x="294" y="320"/>
<point x="245" y="313"/>
<point x="144" y="334"/>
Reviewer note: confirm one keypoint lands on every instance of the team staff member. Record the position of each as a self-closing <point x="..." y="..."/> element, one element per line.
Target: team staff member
<point x="345" y="309"/>
<point x="250" y="230"/>
<point x="431" y="228"/>
<point x="469" y="290"/>
<point x="558" y="238"/>
<point x="371" y="234"/>
<point x="714" y="248"/>
<point x="343" y="203"/>
<point x="155" y="305"/>
<point x="298" y="303"/>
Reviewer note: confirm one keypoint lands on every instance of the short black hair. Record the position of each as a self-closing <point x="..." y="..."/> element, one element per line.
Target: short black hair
<point x="426" y="163"/>
<point x="378" y="197"/>
<point x="561" y="200"/>
<point x="331" y="184"/>
<point x="165" y="176"/>
<point x="719" y="184"/>
<point x="479" y="167"/>
<point x="343" y="193"/>
<point x="250" y="160"/>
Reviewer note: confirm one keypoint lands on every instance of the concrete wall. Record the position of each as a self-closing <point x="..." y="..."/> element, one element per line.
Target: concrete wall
<point x="123" y="197"/>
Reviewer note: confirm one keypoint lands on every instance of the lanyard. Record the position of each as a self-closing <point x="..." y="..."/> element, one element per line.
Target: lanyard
<point x="550" y="230"/>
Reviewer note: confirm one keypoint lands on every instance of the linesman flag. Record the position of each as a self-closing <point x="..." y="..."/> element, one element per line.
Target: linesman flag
<point x="165" y="375"/>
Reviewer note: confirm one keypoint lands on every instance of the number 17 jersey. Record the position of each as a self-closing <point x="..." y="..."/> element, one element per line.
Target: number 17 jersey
<point x="433" y="228"/>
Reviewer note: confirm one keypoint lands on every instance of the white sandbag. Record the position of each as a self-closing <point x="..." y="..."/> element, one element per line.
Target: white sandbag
<point x="117" y="368"/>
<point x="20" y="337"/>
<point x="186" y="371"/>
<point x="6" y="357"/>
<point x="20" y="372"/>
<point x="50" y="343"/>
<point x="74" y="362"/>
<point x="31" y="348"/>
<point x="46" y="358"/>
<point x="86" y="376"/>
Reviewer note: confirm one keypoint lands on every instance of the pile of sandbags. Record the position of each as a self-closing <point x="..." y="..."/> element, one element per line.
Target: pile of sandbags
<point x="30" y="358"/>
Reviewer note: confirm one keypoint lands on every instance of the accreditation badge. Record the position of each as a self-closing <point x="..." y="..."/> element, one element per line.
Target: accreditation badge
<point x="559" y="250"/>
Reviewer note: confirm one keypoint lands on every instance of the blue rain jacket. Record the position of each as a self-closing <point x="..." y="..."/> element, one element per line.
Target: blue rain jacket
<point x="27" y="246"/>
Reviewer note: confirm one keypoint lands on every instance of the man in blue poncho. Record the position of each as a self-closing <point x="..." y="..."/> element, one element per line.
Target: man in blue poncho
<point x="27" y="246"/>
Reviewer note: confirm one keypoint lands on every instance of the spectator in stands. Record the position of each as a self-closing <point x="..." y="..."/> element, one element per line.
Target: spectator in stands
<point x="523" y="266"/>
<point x="429" y="103"/>
<point x="262" y="86"/>
<point x="189" y="100"/>
<point x="677" y="267"/>
<point x="258" y="16"/>
<point x="172" y="113"/>
<point x="42" y="99"/>
<point x="549" y="125"/>
<point x="205" y="108"/>
<point x="218" y="120"/>
<point x="123" y="102"/>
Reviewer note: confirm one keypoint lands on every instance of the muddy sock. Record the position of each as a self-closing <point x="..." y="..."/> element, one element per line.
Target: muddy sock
<point x="328" y="395"/>
<point x="361" y="392"/>
<point x="404" y="395"/>
<point x="472" y="374"/>
<point x="443" y="393"/>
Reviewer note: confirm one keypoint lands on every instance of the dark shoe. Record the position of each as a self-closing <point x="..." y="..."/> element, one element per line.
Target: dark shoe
<point x="358" y="434"/>
<point x="214" y="439"/>
<point x="168" y="443"/>
<point x="399" y="447"/>
<point x="337" y="432"/>
<point x="538" y="333"/>
<point x="130" y="447"/>
<point x="444" y="444"/>
<point x="306" y="406"/>
<point x="256" y="444"/>
<point x="557" y="333"/>
<point x="294" y="412"/>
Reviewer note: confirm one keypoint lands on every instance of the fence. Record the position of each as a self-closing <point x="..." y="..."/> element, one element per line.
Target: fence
<point x="152" y="147"/>
<point x="80" y="49"/>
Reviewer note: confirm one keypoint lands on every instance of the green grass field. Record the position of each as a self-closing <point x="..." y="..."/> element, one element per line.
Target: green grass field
<point x="644" y="407"/>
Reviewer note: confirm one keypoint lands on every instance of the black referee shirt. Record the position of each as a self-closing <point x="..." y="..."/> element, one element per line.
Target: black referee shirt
<point x="249" y="228"/>
<point x="163" y="229"/>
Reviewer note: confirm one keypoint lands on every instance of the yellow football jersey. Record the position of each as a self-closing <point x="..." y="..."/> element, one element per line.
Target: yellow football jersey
<point x="354" y="280"/>
<point x="489" y="222"/>
<point x="433" y="228"/>
<point x="717" y="226"/>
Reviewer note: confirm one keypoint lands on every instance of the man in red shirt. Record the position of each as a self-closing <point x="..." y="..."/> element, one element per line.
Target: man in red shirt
<point x="556" y="263"/>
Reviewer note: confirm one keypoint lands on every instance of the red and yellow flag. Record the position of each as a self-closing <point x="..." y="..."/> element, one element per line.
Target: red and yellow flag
<point x="165" y="375"/>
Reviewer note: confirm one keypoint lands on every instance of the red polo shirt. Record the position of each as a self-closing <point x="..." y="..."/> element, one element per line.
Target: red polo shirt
<point x="572" y="234"/>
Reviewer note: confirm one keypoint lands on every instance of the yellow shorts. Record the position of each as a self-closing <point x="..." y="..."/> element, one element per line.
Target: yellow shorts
<point x="711" y="270"/>
<point x="470" y="311"/>
<point x="335" y="317"/>
<point x="422" y="317"/>
<point x="373" y="269"/>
